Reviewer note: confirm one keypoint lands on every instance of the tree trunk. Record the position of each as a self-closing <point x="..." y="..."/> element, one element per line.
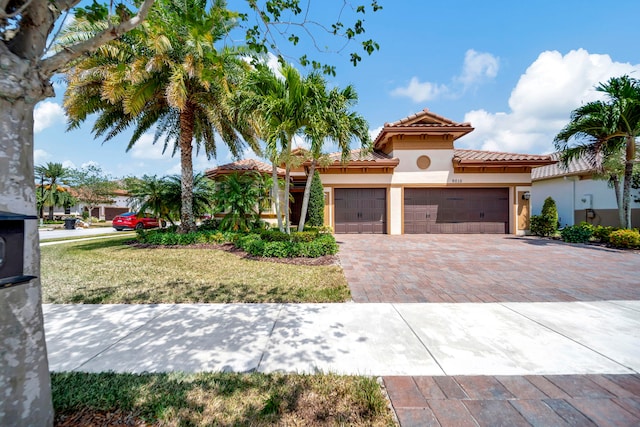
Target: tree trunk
<point x="24" y="370"/>
<point x="50" y="212"/>
<point x="615" y="180"/>
<point x="305" y="198"/>
<point x="187" y="120"/>
<point x="630" y="159"/>
<point x="276" y="193"/>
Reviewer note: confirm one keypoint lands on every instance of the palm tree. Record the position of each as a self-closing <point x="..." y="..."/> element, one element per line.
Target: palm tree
<point x="606" y="129"/>
<point x="284" y="104"/>
<point x="238" y="196"/>
<point x="53" y="194"/>
<point x="332" y="121"/>
<point x="162" y="197"/>
<point x="167" y="73"/>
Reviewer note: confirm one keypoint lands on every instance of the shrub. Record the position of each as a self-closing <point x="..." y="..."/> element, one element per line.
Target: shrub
<point x="209" y="225"/>
<point x="315" y="213"/>
<point x="601" y="233"/>
<point x="625" y="238"/>
<point x="274" y="235"/>
<point x="278" y="249"/>
<point x="546" y="224"/>
<point x="303" y="236"/>
<point x="580" y="233"/>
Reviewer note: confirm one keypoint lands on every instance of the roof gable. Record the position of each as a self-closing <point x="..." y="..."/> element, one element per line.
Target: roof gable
<point x="243" y="166"/>
<point x="421" y="126"/>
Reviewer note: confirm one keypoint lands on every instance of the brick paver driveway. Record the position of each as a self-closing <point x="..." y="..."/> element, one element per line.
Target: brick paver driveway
<point x="484" y="268"/>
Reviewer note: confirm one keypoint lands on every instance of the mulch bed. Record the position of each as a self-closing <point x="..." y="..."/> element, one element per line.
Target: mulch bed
<point x="231" y="248"/>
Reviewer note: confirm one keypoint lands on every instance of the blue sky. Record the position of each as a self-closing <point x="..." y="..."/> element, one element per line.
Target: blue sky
<point x="513" y="69"/>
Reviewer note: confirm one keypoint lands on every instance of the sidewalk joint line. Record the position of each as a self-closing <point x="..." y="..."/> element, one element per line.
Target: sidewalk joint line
<point x="419" y="339"/>
<point x="110" y="346"/>
<point x="568" y="337"/>
<point x="617" y="303"/>
<point x="266" y="346"/>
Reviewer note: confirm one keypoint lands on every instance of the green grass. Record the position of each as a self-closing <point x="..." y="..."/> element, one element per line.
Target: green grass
<point x="225" y="399"/>
<point x="108" y="271"/>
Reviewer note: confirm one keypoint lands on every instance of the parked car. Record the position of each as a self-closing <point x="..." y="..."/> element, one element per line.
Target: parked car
<point x="135" y="221"/>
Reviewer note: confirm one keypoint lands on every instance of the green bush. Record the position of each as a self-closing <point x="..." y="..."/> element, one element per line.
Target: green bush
<point x="601" y="233"/>
<point x="315" y="212"/>
<point x="209" y="225"/>
<point x="303" y="236"/>
<point x="625" y="238"/>
<point x="545" y="224"/>
<point x="580" y="233"/>
<point x="274" y="235"/>
<point x="278" y="250"/>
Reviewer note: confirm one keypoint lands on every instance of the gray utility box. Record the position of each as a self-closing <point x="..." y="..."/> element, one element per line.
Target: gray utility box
<point x="12" y="249"/>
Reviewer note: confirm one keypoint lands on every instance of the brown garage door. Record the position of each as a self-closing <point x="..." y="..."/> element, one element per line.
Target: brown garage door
<point x="456" y="210"/>
<point x="110" y="213"/>
<point x="361" y="210"/>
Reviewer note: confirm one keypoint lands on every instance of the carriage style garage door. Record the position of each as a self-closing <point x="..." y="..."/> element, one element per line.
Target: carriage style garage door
<point x="361" y="210"/>
<point x="456" y="210"/>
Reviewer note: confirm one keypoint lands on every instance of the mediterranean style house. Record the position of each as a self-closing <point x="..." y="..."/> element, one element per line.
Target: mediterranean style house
<point x="578" y="195"/>
<point x="416" y="181"/>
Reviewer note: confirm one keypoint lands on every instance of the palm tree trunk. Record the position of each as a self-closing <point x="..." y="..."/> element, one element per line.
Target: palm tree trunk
<point x="287" y="187"/>
<point x="275" y="189"/>
<point x="50" y="212"/>
<point x="626" y="184"/>
<point x="615" y="180"/>
<point x="187" y="120"/>
<point x="307" y="194"/>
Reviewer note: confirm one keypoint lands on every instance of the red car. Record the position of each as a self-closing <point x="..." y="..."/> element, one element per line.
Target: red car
<point x="132" y="220"/>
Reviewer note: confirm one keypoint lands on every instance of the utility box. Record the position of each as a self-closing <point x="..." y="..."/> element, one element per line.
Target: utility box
<point x="12" y="249"/>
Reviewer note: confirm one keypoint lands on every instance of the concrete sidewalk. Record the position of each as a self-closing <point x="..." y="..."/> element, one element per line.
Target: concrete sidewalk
<point x="382" y="339"/>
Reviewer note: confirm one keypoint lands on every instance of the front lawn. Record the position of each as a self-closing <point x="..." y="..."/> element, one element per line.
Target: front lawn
<point x="225" y="399"/>
<point x="109" y="271"/>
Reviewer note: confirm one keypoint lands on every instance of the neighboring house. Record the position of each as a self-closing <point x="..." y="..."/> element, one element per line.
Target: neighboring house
<point x="104" y="211"/>
<point x="578" y="196"/>
<point x="416" y="181"/>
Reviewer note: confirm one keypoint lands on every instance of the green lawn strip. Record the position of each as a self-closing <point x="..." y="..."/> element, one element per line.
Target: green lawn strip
<point x="109" y="272"/>
<point x="87" y="236"/>
<point x="205" y="399"/>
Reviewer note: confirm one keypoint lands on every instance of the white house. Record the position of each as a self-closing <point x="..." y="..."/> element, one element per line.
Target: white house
<point x="578" y="196"/>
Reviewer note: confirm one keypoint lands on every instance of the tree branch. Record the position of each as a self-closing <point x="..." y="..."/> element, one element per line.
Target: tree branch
<point x="4" y="15"/>
<point x="56" y="62"/>
<point x="63" y="5"/>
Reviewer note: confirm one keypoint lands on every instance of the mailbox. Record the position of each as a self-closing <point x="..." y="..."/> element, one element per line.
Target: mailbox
<point x="12" y="249"/>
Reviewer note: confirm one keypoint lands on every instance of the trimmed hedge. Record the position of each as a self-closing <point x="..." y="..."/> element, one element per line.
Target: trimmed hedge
<point x="625" y="238"/>
<point x="580" y="233"/>
<point x="263" y="243"/>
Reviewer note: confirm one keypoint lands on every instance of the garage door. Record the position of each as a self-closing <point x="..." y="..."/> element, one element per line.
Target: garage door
<point x="456" y="210"/>
<point x="361" y="210"/>
<point x="110" y="213"/>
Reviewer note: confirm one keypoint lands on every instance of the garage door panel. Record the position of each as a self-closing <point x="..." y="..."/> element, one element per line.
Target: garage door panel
<point x="360" y="210"/>
<point x="456" y="210"/>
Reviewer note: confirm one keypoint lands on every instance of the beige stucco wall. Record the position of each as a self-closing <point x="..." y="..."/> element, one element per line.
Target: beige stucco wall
<point x="440" y="173"/>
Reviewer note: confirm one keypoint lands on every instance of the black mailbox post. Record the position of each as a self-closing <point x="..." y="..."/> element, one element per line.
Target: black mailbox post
<point x="12" y="249"/>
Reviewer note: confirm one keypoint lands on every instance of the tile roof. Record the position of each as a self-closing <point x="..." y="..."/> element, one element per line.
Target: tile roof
<point x="495" y="156"/>
<point x="358" y="156"/>
<point x="436" y="120"/>
<point x="579" y="166"/>
<point x="244" y="165"/>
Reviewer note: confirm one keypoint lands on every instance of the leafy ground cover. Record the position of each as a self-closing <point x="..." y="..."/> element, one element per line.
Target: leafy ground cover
<point x="109" y="271"/>
<point x="224" y="399"/>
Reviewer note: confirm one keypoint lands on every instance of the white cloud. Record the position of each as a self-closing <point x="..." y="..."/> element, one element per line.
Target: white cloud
<point x="90" y="163"/>
<point x="146" y="149"/>
<point x="420" y="91"/>
<point x="373" y="133"/>
<point x="68" y="164"/>
<point x="40" y="157"/>
<point x="174" y="170"/>
<point x="47" y="114"/>
<point x="542" y="101"/>
<point x="477" y="67"/>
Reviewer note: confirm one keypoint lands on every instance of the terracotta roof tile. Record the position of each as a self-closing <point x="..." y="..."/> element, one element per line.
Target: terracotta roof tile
<point x="441" y="121"/>
<point x="244" y="165"/>
<point x="358" y="156"/>
<point x="578" y="166"/>
<point x="495" y="156"/>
